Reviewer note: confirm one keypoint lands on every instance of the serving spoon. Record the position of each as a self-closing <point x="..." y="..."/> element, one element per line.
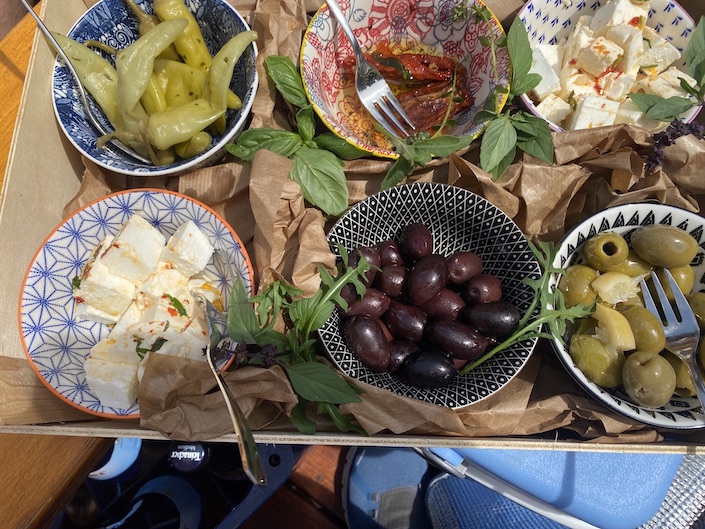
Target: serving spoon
<point x="95" y="123"/>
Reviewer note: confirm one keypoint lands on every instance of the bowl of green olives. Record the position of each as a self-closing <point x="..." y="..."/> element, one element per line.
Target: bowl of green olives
<point x="618" y="353"/>
<point x="445" y="285"/>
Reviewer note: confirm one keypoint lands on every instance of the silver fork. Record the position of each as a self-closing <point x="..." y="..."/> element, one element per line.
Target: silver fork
<point x="249" y="455"/>
<point x="90" y="115"/>
<point x="372" y="89"/>
<point x="682" y="329"/>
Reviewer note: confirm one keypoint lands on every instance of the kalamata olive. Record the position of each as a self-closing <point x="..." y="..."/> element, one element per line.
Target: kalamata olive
<point x="462" y="266"/>
<point x="444" y="305"/>
<point x="400" y="351"/>
<point x="664" y="245"/>
<point x="599" y="363"/>
<point x="457" y="338"/>
<point x="428" y="369"/>
<point x="647" y="329"/>
<point x="391" y="280"/>
<point x="482" y="288"/>
<point x="605" y="251"/>
<point x="649" y="379"/>
<point x="389" y="253"/>
<point x="415" y="241"/>
<point x="367" y="342"/>
<point x="427" y="278"/>
<point x="494" y="318"/>
<point x="405" y="321"/>
<point x="374" y="303"/>
<point x="349" y="294"/>
<point x="372" y="256"/>
<point x="576" y="285"/>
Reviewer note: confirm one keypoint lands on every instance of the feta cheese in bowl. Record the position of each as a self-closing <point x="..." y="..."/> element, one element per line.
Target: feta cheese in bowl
<point x="114" y="284"/>
<point x="592" y="56"/>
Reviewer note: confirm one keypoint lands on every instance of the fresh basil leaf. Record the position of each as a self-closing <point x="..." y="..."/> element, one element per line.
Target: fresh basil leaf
<point x="317" y="382"/>
<point x="242" y="323"/>
<point x="521" y="58"/>
<point x="656" y="107"/>
<point x="322" y="180"/>
<point x="697" y="68"/>
<point x="342" y="422"/>
<point x="250" y="141"/>
<point x="498" y="141"/>
<point x="505" y="162"/>
<point x="306" y="123"/>
<point x="338" y="146"/>
<point x="400" y="169"/>
<point x="685" y="85"/>
<point x="287" y="79"/>
<point x="484" y="115"/>
<point x="300" y="420"/>
<point x="525" y="84"/>
<point x="534" y="136"/>
<point x="696" y="46"/>
<point x="440" y="146"/>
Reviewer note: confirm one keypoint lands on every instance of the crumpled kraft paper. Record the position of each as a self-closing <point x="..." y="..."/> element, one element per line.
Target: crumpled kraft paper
<point x="285" y="237"/>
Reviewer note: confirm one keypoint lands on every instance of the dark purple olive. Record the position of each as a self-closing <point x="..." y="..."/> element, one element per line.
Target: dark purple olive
<point x="458" y="339"/>
<point x="400" y="351"/>
<point x="372" y="256"/>
<point x="462" y="266"/>
<point x="427" y="278"/>
<point x="389" y="253"/>
<point x="444" y="305"/>
<point x="415" y="241"/>
<point x="367" y="342"/>
<point x="374" y="303"/>
<point x="495" y="318"/>
<point x="349" y="294"/>
<point x="428" y="369"/>
<point x="391" y="280"/>
<point x="405" y="321"/>
<point x="482" y="288"/>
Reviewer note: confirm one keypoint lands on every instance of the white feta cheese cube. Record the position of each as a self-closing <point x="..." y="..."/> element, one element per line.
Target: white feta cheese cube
<point x="135" y="252"/>
<point x="576" y="84"/>
<point x="129" y="317"/>
<point x="188" y="249"/>
<point x="658" y="85"/>
<point x="600" y="55"/>
<point x="206" y="286"/>
<point x="554" y="109"/>
<point x="630" y="40"/>
<point x="616" y="12"/>
<point x="616" y="85"/>
<point x="196" y="336"/>
<point x="579" y="39"/>
<point x="167" y="279"/>
<point x="113" y="383"/>
<point x="592" y="111"/>
<point x="549" y="83"/>
<point x="553" y="55"/>
<point x="630" y="114"/>
<point x="673" y="77"/>
<point x="658" y="54"/>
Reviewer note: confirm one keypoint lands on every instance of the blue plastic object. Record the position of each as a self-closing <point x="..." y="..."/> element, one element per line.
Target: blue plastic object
<point x="609" y="490"/>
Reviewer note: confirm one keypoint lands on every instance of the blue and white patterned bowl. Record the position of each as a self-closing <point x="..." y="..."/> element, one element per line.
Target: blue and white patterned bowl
<point x="112" y="23"/>
<point x="55" y="341"/>
<point x="432" y="24"/>
<point x="549" y="21"/>
<point x="459" y="220"/>
<point x="682" y="412"/>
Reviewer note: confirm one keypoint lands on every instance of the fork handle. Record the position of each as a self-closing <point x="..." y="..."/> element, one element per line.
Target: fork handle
<point x="345" y="26"/>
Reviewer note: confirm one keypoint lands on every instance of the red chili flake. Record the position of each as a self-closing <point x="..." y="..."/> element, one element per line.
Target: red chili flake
<point x="573" y="61"/>
<point x="635" y="21"/>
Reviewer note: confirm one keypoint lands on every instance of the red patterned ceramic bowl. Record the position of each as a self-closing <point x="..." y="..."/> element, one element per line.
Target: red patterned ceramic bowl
<point x="450" y="28"/>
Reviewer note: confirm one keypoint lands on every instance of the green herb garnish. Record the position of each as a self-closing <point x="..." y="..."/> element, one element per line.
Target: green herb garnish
<point x="177" y="305"/>
<point x="76" y="283"/>
<point x="141" y="351"/>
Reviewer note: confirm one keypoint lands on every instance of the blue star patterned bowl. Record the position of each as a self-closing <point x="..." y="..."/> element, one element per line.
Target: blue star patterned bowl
<point x="112" y="23"/>
<point x="549" y="21"/>
<point x="459" y="220"/>
<point x="55" y="341"/>
<point x="682" y="413"/>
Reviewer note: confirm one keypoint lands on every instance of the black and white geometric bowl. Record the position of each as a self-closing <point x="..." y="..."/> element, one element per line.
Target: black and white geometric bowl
<point x="680" y="413"/>
<point x="459" y="220"/>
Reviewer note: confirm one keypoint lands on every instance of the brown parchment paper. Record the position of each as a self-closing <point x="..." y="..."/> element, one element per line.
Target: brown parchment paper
<point x="593" y="170"/>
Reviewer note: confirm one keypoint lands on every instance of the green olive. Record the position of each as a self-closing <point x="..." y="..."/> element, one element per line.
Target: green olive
<point x="600" y="364"/>
<point x="575" y="285"/>
<point x="664" y="245"/>
<point x="648" y="379"/>
<point x="697" y="303"/>
<point x="647" y="329"/>
<point x="633" y="266"/>
<point x="605" y="251"/>
<point x="684" y="276"/>
<point x="685" y="387"/>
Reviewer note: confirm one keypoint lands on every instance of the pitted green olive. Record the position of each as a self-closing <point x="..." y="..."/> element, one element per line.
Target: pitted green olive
<point x="575" y="285"/>
<point x="697" y="303"/>
<point x="664" y="245"/>
<point x="647" y="329"/>
<point x="684" y="277"/>
<point x="599" y="363"/>
<point x="648" y="379"/>
<point x="605" y="251"/>
<point x="633" y="266"/>
<point x="685" y="387"/>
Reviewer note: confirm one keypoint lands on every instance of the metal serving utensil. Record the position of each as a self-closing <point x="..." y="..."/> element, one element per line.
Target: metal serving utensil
<point x="92" y="118"/>
<point x="249" y="455"/>
<point x="373" y="90"/>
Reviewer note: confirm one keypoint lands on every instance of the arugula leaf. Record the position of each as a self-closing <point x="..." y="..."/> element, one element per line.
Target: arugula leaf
<point x="252" y="140"/>
<point x="317" y="382"/>
<point x="322" y="179"/>
<point x="656" y="107"/>
<point x="287" y="80"/>
<point x="498" y="141"/>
